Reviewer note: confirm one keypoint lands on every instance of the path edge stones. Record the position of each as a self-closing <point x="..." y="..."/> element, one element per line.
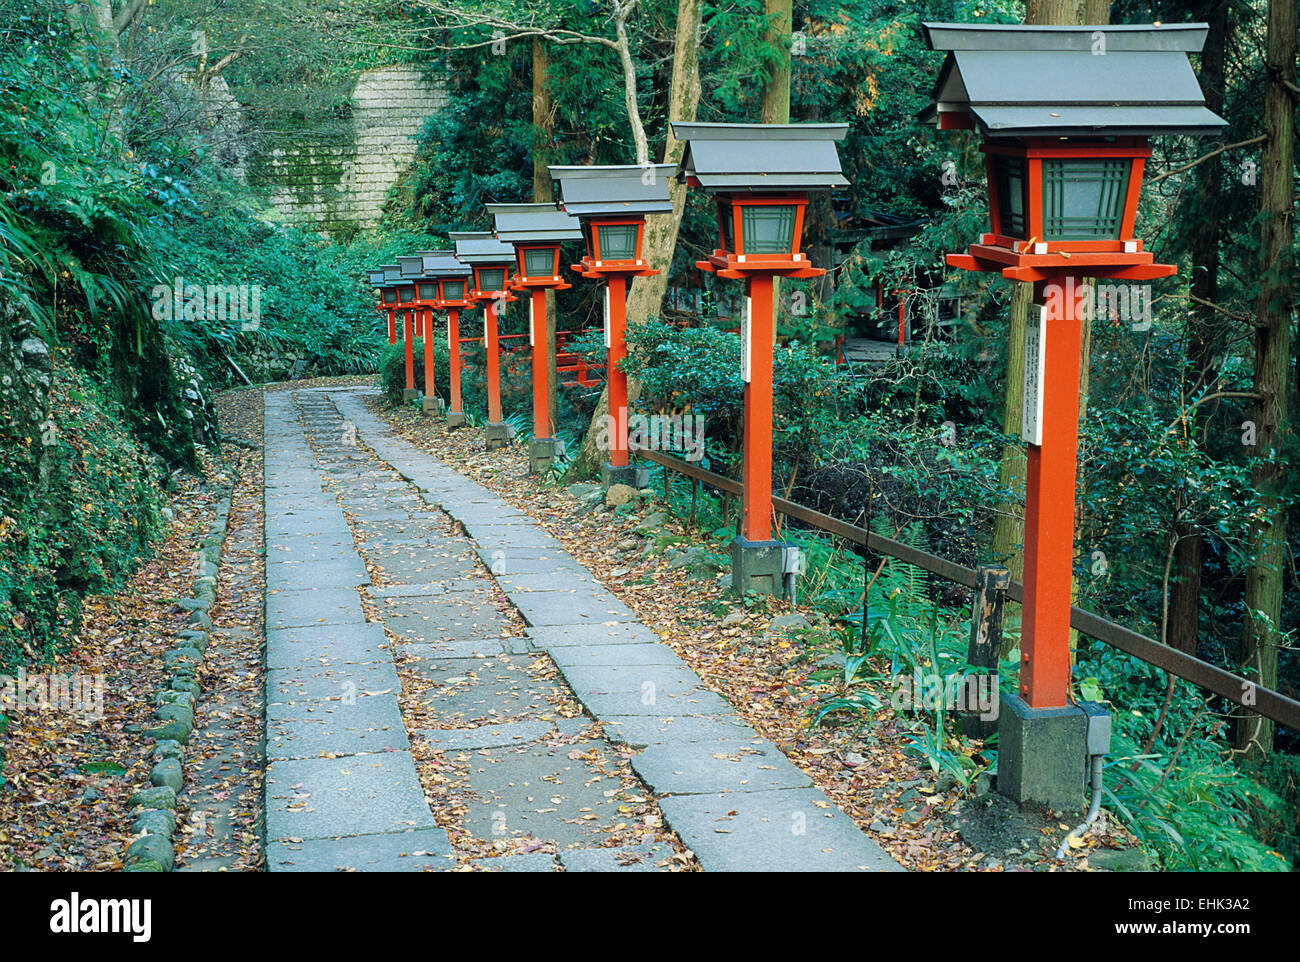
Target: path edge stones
<point x="154" y="827"/>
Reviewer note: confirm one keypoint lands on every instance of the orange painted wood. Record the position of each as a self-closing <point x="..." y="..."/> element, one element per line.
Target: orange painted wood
<point x="617" y="380"/>
<point x="453" y="349"/>
<point x="757" y="476"/>
<point x="428" y="353"/>
<point x="410" y="351"/>
<point x="1049" y="512"/>
<point x="541" y="409"/>
<point x="493" y="349"/>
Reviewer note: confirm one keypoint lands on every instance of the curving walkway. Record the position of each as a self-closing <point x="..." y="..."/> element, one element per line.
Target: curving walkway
<point x="342" y="788"/>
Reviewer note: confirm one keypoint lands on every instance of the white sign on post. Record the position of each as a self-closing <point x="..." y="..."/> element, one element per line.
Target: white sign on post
<point x="1031" y="419"/>
<point x="745" y="340"/>
<point x="532" y="341"/>
<point x="608" y="345"/>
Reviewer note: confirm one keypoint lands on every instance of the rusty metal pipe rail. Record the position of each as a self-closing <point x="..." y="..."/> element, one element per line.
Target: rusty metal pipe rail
<point x="1267" y="702"/>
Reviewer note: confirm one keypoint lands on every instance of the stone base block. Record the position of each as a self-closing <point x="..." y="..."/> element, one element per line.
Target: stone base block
<point x="432" y="405"/>
<point x="633" y="475"/>
<point x="1043" y="755"/>
<point x="542" y="452"/>
<point x="455" y="419"/>
<point x="409" y="395"/>
<point x="758" y="566"/>
<point x="497" y="434"/>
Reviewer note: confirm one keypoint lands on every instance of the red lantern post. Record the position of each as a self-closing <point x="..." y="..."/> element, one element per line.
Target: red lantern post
<point x="760" y="176"/>
<point x="491" y="261"/>
<point x="1064" y="164"/>
<point x="612" y="203"/>
<point x="536" y="231"/>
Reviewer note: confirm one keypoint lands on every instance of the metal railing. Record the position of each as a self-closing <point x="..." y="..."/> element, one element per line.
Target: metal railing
<point x="1236" y="688"/>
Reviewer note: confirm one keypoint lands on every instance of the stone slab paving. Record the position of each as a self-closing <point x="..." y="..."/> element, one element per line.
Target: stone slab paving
<point x="343" y="789"/>
<point x="731" y="795"/>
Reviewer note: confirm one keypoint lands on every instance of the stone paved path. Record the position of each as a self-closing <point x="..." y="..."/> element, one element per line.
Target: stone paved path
<point x="342" y="788"/>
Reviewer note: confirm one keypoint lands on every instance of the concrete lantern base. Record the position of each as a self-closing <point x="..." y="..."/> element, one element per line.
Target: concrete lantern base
<point x="455" y="419"/>
<point x="1043" y="754"/>
<point x="633" y="475"/>
<point x="409" y="394"/>
<point x="542" y="452"/>
<point x="758" y="566"/>
<point x="497" y="434"/>
<point x="432" y="405"/>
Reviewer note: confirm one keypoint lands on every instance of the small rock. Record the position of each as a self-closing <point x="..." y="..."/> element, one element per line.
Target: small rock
<point x="620" y="572"/>
<point x="733" y="618"/>
<point x="167" y="749"/>
<point x="583" y="489"/>
<point x="791" y="621"/>
<point x="854" y="759"/>
<point x="177" y="657"/>
<point x="154" y="849"/>
<point x="156" y="797"/>
<point x="880" y="827"/>
<point x="619" y="494"/>
<point x="154" y="821"/>
<point x="628" y="544"/>
<point x="90" y="795"/>
<point x="168" y="772"/>
<point x="1119" y="860"/>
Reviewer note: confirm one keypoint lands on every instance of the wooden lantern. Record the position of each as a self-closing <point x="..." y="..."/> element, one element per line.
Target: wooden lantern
<point x="612" y="203"/>
<point x="536" y="231"/>
<point x="491" y="261"/>
<point x="760" y="176"/>
<point x="1064" y="114"/>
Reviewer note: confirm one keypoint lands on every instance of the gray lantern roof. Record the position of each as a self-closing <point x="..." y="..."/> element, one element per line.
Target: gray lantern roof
<point x="1022" y="81"/>
<point x="762" y="157"/>
<point x="376" y="276"/>
<point x="525" y="223"/>
<point x="427" y="264"/>
<point x="596" y="191"/>
<point x="482" y="247"/>
<point x="443" y="264"/>
<point x="392" y="275"/>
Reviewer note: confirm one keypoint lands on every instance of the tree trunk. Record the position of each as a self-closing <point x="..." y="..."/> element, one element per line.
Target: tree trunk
<point x="1261" y="629"/>
<point x="544" y="193"/>
<point x="1204" y="328"/>
<point x="647" y="293"/>
<point x="776" y="94"/>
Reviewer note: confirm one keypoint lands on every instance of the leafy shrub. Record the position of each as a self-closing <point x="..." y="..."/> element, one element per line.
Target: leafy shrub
<point x="79" y="507"/>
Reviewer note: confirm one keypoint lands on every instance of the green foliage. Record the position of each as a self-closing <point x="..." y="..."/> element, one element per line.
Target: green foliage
<point x="79" y="507"/>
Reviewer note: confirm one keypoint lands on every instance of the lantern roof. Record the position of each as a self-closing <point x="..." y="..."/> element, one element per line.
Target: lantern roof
<point x="1028" y="80"/>
<point x="392" y="274"/>
<point x="528" y="223"/>
<point x="376" y="276"/>
<point x="597" y="191"/>
<point x="482" y="247"/>
<point x="443" y="264"/>
<point x="762" y="157"/>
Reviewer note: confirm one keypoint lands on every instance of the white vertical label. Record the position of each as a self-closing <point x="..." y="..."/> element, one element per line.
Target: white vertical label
<point x="745" y="339"/>
<point x="532" y="341"/>
<point x="1031" y="419"/>
<point x="449" y="335"/>
<point x="608" y="345"/>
